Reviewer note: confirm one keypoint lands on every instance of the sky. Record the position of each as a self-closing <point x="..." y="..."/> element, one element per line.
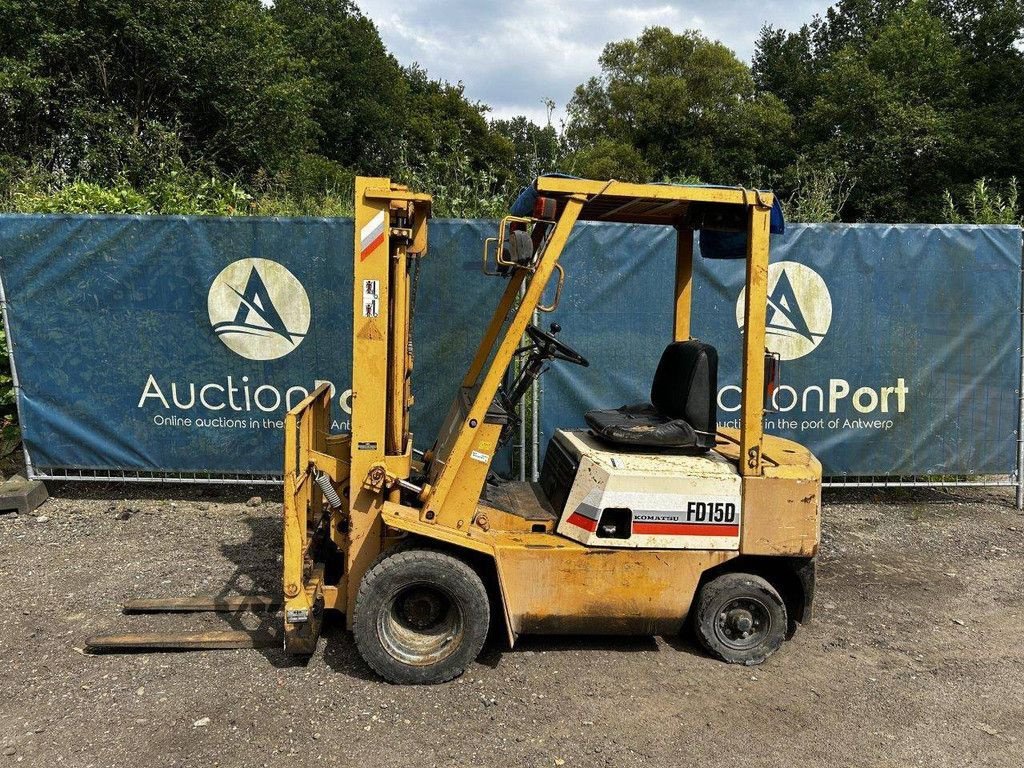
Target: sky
<point x="512" y="55"/>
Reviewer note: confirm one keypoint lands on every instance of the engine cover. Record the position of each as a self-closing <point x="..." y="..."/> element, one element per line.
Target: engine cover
<point x="650" y="500"/>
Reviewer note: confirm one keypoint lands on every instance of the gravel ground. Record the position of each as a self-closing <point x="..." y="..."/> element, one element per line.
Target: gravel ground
<point x="913" y="658"/>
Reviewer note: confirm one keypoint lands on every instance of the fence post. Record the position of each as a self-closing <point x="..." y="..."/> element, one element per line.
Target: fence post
<point x="522" y="409"/>
<point x="535" y="423"/>
<point x="1020" y="392"/>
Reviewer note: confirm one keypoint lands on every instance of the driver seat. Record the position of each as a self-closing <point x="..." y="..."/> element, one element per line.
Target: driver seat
<point x="682" y="414"/>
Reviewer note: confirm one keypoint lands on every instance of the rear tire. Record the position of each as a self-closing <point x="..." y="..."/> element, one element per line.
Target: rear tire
<point x="421" y="616"/>
<point x="740" y="618"/>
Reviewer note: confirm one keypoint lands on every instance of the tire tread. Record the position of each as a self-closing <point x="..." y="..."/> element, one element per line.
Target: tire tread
<point x="385" y="563"/>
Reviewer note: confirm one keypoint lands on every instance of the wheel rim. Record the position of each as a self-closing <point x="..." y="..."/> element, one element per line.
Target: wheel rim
<point x="742" y="623"/>
<point x="420" y="624"/>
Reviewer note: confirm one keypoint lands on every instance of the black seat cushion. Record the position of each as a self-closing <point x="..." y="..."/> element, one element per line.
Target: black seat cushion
<point x="682" y="413"/>
<point x="641" y="426"/>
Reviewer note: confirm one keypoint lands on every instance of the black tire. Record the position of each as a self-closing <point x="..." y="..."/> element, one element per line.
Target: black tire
<point x="421" y="616"/>
<point x="740" y="618"/>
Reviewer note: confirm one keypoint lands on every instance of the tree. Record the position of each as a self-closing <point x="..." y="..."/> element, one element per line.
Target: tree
<point x="534" y="150"/>
<point x="440" y="114"/>
<point x="907" y="98"/>
<point x="889" y="111"/>
<point x="785" y="65"/>
<point x="360" y="93"/>
<point x="686" y="105"/>
<point x="115" y="87"/>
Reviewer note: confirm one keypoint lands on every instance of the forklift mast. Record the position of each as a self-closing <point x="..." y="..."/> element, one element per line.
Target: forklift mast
<point x="324" y="542"/>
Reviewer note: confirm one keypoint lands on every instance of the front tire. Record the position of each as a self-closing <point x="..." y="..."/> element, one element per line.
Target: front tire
<point x="740" y="618"/>
<point x="421" y="616"/>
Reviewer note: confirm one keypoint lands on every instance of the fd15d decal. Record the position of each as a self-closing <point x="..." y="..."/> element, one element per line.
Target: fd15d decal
<point x="697" y="518"/>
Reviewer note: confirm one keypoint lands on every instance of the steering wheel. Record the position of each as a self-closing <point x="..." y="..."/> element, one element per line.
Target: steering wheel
<point x="549" y="346"/>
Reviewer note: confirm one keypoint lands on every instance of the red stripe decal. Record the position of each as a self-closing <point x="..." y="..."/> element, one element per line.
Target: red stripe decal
<point x="684" y="529"/>
<point x="581" y="521"/>
<point x="371" y="247"/>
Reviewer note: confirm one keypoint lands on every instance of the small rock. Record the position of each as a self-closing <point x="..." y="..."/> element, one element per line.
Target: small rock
<point x="316" y="737"/>
<point x="201" y="722"/>
<point x="42" y="519"/>
<point x="140" y="691"/>
<point x="255" y="501"/>
<point x="10" y="750"/>
<point x="959" y="623"/>
<point x="588" y="722"/>
<point x="559" y="761"/>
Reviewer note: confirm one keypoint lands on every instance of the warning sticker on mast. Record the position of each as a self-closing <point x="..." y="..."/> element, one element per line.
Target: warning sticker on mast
<point x="371" y="236"/>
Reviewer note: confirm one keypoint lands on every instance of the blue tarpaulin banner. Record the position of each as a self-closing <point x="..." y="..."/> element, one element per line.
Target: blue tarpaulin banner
<point x="899" y="343"/>
<point x="175" y="344"/>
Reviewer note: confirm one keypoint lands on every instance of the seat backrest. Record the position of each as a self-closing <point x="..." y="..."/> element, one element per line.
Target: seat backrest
<point x="686" y="384"/>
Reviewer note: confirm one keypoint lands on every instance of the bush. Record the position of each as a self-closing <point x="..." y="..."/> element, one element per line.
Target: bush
<point x="10" y="435"/>
<point x="303" y="192"/>
<point x="460" y="189"/>
<point x="608" y="159"/>
<point x="819" y="193"/>
<point x="986" y="203"/>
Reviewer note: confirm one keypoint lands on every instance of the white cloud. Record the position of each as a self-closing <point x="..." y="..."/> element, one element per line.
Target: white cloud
<point x="511" y="55"/>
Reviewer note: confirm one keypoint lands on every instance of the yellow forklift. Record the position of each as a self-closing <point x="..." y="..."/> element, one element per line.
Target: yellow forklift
<point x="649" y="521"/>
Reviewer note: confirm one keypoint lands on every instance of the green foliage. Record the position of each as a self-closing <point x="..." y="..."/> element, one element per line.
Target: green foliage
<point x="888" y="111"/>
<point x="609" y="159"/>
<point x="986" y="204"/>
<point x="10" y="435"/>
<point x="115" y="88"/>
<point x="301" y="192"/>
<point x="534" y="150"/>
<point x="683" y="104"/>
<point x="82" y="197"/>
<point x="360" y="97"/>
<point x="440" y="115"/>
<point x="911" y="97"/>
<point x="230" y="107"/>
<point x="460" y="189"/>
<point x="819" y="194"/>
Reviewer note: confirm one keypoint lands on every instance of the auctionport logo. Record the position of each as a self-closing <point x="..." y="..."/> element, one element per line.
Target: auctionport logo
<point x="799" y="309"/>
<point x="258" y="309"/>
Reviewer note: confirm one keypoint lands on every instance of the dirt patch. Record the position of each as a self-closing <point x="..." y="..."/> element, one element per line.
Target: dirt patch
<point x="914" y="656"/>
